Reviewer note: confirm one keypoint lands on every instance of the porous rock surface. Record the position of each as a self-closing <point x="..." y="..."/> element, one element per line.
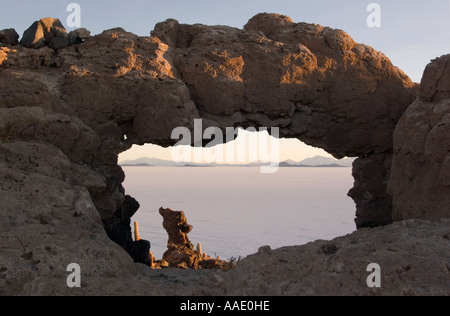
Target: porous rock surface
<point x="420" y="180"/>
<point x="413" y="256"/>
<point x="179" y="247"/>
<point x="180" y="250"/>
<point x="66" y="115"/>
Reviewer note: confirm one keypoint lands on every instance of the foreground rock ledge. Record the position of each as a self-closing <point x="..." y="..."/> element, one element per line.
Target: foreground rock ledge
<point x="414" y="257"/>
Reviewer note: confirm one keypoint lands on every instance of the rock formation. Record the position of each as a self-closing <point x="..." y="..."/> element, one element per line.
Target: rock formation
<point x="44" y="32"/>
<point x="420" y="179"/>
<point x="66" y="115"/>
<point x="78" y="36"/>
<point x="50" y="32"/>
<point x="180" y="251"/>
<point x="179" y="247"/>
<point x="407" y="253"/>
<point x="373" y="202"/>
<point x="9" y="37"/>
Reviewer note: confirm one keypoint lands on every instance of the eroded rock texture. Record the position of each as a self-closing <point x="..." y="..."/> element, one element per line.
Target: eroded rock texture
<point x="407" y="253"/>
<point x="420" y="180"/>
<point x="73" y="111"/>
<point x="180" y="251"/>
<point x="179" y="247"/>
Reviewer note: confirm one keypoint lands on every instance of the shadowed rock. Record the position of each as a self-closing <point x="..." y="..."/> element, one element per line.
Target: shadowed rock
<point x="42" y="32"/>
<point x="140" y="251"/>
<point x="57" y="43"/>
<point x="78" y="36"/>
<point x="373" y="203"/>
<point x="9" y="37"/>
<point x="420" y="179"/>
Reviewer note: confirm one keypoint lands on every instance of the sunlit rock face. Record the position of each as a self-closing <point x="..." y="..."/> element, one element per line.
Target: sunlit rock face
<point x="67" y="115"/>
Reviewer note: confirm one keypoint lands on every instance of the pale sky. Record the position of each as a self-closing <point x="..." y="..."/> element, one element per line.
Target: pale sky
<point x="288" y="149"/>
<point x="412" y="32"/>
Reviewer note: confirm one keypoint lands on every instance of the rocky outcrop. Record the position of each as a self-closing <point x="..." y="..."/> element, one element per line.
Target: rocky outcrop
<point x="180" y="251"/>
<point x="179" y="247"/>
<point x="44" y="32"/>
<point x="373" y="202"/>
<point x="9" y="37"/>
<point x="77" y="108"/>
<point x="48" y="221"/>
<point x="413" y="256"/>
<point x="50" y="32"/>
<point x="78" y="36"/>
<point x="420" y="179"/>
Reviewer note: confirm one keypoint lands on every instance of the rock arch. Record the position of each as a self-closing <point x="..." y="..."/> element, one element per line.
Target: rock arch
<point x="313" y="82"/>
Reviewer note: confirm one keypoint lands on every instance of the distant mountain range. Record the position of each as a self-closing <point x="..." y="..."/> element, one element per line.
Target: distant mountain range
<point x="318" y="161"/>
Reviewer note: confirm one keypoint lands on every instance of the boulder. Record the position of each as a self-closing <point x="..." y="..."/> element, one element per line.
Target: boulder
<point x="33" y="37"/>
<point x="9" y="37"/>
<point x="41" y="32"/>
<point x="60" y="42"/>
<point x="78" y="36"/>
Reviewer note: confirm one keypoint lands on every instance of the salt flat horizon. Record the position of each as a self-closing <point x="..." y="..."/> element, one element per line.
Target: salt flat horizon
<point x="236" y="210"/>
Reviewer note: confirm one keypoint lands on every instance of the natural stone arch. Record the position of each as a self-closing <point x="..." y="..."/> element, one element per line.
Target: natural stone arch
<point x="313" y="82"/>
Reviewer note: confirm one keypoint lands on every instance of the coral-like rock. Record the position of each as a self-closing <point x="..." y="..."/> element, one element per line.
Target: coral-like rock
<point x="180" y="249"/>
